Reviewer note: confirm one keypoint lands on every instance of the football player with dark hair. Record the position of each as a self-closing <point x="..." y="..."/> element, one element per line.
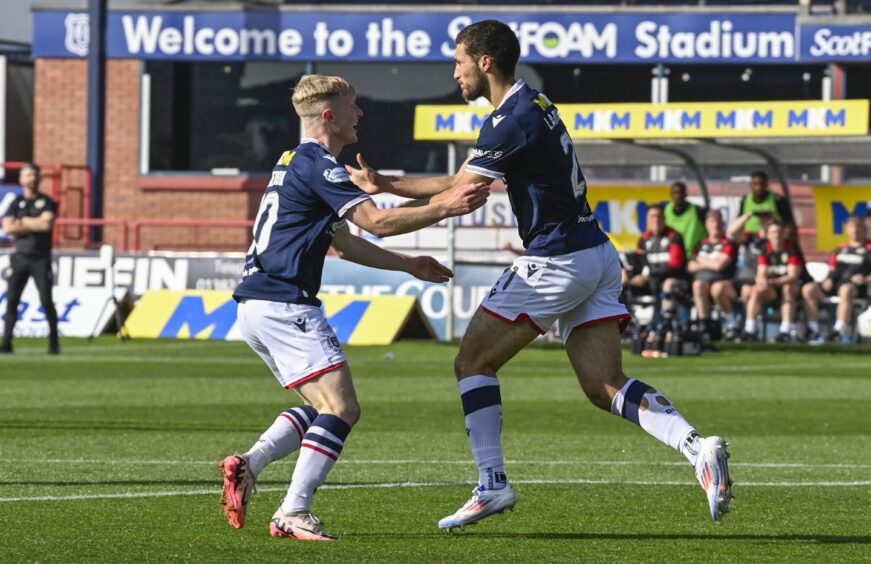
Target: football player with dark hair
<point x="569" y="275"/>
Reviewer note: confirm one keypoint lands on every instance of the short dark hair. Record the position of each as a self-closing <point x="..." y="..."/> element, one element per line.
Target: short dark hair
<point x="32" y="166"/>
<point x="494" y="38"/>
<point x="760" y="174"/>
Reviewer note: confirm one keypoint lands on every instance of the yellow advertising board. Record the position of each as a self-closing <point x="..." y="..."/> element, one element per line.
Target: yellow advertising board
<point x="834" y="204"/>
<point x="207" y="314"/>
<point x="666" y="121"/>
<point x="622" y="210"/>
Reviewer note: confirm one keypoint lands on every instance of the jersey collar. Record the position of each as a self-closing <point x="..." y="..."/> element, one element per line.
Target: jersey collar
<point x="312" y="140"/>
<point x="514" y="90"/>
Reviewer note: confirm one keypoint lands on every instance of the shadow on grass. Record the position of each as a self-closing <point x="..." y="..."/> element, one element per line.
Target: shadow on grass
<point x="580" y="536"/>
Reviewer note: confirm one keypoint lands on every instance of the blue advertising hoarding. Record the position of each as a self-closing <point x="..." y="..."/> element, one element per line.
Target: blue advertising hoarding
<point x="8" y="194"/>
<point x="402" y="36"/>
<point x="834" y="43"/>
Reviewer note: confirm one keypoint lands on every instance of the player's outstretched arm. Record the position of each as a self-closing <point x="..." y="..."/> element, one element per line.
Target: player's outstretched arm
<point x="420" y="213"/>
<point x="370" y="181"/>
<point x="355" y="249"/>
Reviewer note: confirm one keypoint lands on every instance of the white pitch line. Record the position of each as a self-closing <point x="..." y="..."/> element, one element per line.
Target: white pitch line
<point x="452" y="462"/>
<point x="389" y="485"/>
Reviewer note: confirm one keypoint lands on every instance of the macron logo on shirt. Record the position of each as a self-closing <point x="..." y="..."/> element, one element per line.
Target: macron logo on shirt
<point x="497" y="120"/>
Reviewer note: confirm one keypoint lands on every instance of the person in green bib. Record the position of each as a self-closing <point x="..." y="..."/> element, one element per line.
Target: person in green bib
<point x="686" y="218"/>
<point x="762" y="200"/>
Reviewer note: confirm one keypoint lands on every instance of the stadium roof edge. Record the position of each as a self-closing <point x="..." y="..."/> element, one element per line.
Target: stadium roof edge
<point x="254" y="7"/>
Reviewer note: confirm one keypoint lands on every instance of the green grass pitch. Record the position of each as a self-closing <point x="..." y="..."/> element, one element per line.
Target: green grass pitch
<point x="109" y="454"/>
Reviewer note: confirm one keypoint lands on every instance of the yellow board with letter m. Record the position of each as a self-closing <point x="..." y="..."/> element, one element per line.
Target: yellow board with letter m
<point x="206" y="314"/>
<point x="666" y="121"/>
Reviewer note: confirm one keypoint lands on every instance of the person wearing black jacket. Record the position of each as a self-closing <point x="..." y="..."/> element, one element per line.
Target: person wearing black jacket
<point x="30" y="219"/>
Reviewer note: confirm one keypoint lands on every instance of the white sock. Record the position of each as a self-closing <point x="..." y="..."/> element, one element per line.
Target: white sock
<point x="786" y="326"/>
<point x="750" y="326"/>
<point x="282" y="437"/>
<point x="321" y="447"/>
<point x="482" y="404"/>
<point x="813" y="326"/>
<point x="840" y="326"/>
<point x="653" y="412"/>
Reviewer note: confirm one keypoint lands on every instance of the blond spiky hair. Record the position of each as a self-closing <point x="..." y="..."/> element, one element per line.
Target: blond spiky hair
<point x="316" y="88"/>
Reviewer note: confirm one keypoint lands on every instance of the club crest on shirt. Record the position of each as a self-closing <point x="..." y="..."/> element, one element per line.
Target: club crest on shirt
<point x="337" y="175"/>
<point x="39" y="204"/>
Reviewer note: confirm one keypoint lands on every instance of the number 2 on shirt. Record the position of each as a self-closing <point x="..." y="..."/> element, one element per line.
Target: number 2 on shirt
<point x="579" y="185"/>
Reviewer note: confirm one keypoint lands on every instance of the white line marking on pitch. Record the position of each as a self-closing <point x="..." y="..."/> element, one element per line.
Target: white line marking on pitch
<point x="388" y="485"/>
<point x="454" y="462"/>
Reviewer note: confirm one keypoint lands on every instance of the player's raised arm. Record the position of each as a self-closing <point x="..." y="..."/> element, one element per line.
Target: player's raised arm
<point x="418" y="214"/>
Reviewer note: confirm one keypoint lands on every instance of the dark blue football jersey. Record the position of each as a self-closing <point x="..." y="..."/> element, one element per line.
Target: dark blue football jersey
<point x="302" y="207"/>
<point x="525" y="143"/>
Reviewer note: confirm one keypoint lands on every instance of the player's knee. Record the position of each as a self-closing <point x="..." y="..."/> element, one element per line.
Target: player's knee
<point x="349" y="412"/>
<point x="598" y="394"/>
<point x="466" y="365"/>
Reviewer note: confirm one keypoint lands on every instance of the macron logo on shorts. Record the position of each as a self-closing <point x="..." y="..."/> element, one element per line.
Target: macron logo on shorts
<point x="300" y="323"/>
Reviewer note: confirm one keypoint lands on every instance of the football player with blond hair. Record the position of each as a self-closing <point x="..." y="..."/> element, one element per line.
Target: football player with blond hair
<point x="304" y="212"/>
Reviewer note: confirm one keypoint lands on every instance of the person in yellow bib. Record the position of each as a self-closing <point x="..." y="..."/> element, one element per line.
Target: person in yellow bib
<point x="762" y="200"/>
<point x="686" y="218"/>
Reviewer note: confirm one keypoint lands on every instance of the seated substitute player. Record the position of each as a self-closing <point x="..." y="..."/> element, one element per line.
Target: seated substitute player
<point x="712" y="268"/>
<point x="849" y="276"/>
<point x="750" y="247"/>
<point x="777" y="278"/>
<point x="570" y="274"/>
<point x="301" y="215"/>
<point x="663" y="258"/>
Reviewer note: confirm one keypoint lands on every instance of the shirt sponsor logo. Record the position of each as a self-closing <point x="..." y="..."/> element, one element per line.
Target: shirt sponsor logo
<point x="337" y="175"/>
<point x="489" y="154"/>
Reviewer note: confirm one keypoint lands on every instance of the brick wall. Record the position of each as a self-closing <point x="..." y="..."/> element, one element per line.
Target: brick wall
<point x="60" y="137"/>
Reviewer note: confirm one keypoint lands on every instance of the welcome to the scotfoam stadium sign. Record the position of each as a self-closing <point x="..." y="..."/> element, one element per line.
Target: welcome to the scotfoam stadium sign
<point x="402" y="36"/>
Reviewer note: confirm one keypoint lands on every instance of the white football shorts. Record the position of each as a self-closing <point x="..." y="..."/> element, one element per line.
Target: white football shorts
<point x="575" y="290"/>
<point x="295" y="341"/>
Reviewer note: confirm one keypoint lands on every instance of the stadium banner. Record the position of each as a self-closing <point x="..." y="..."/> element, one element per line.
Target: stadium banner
<point x="835" y="43"/>
<point x="8" y="193"/>
<point x="368" y="35"/>
<point x="666" y="121"/>
<point x="210" y="314"/>
<point x="622" y="211"/>
<point x="81" y="312"/>
<point x="834" y="204"/>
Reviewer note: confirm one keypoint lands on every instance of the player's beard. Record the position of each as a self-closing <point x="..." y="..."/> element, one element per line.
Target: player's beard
<point x="474" y="90"/>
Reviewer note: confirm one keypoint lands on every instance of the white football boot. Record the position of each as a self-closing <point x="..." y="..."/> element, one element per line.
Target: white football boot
<point x="712" y="471"/>
<point x="483" y="503"/>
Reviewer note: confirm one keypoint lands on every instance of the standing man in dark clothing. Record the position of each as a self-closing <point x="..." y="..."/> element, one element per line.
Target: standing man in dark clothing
<point x="30" y="219"/>
<point x="686" y="218"/>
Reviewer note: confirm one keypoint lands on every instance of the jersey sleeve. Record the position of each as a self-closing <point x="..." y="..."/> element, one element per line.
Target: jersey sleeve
<point x="729" y="250"/>
<point x="498" y="145"/>
<point x="333" y="185"/>
<point x="763" y="260"/>
<point x="795" y="260"/>
<point x="677" y="257"/>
